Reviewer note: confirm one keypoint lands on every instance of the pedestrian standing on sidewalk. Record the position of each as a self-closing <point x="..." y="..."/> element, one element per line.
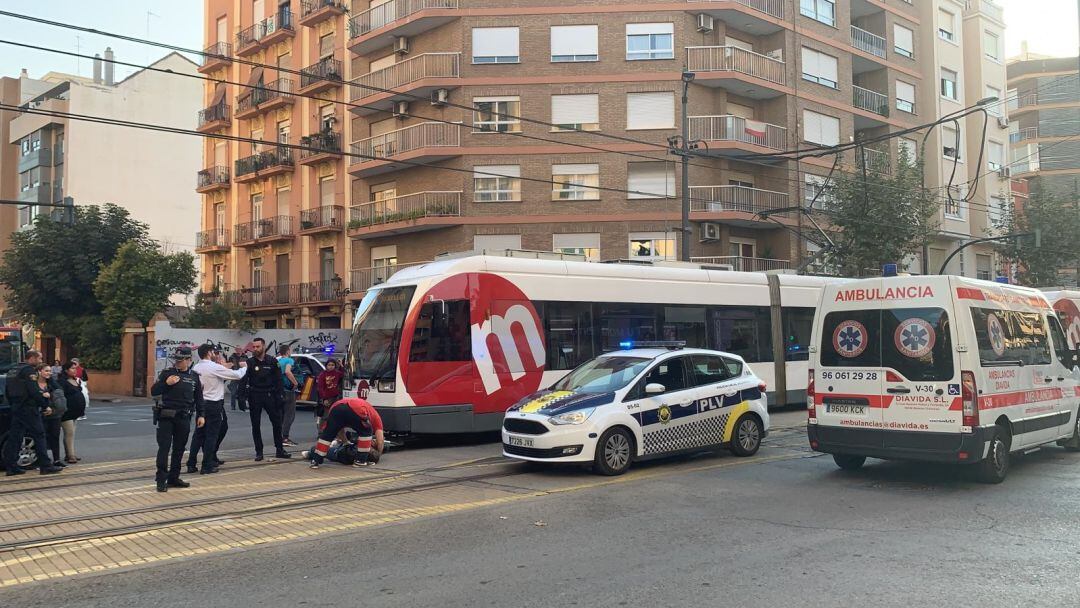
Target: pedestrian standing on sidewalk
<point x="213" y="374"/>
<point x="27" y="407"/>
<point x="262" y="388"/>
<point x="181" y="395"/>
<point x="76" y="408"/>
<point x="288" y="380"/>
<point x="234" y="386"/>
<point x="328" y="389"/>
<point x="52" y="391"/>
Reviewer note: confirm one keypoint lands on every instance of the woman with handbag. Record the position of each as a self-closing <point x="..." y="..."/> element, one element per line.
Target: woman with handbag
<point x="52" y="391"/>
<point x="72" y="385"/>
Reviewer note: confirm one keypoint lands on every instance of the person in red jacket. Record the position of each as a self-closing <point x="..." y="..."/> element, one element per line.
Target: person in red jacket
<point x="355" y="414"/>
<point x="328" y="387"/>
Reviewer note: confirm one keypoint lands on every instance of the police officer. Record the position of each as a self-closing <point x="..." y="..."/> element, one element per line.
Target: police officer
<point x="264" y="390"/>
<point x="27" y="405"/>
<point x="181" y="394"/>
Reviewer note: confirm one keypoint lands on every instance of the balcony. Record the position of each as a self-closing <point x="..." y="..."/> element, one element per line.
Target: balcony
<point x="418" y="76"/>
<point x="273" y="29"/>
<point x="271" y="296"/>
<point x="266" y="230"/>
<point x="876" y="161"/>
<point x="736" y="205"/>
<point x="757" y="17"/>
<point x="215" y="117"/>
<point x="733" y="136"/>
<point x="42" y="157"/>
<point x="211" y="241"/>
<point x="868" y="42"/>
<point x="1024" y="134"/>
<point x="363" y="279"/>
<point x="404" y="214"/>
<point x="326" y="74"/>
<point x="745" y="72"/>
<point x="425" y="142"/>
<point x="215" y="56"/>
<point x="270" y="162"/>
<point x="377" y="27"/>
<point x="214" y="178"/>
<point x="325" y="291"/>
<point x="319" y="147"/>
<point x="328" y="218"/>
<point x="272" y="95"/>
<point x="871" y="101"/>
<point x="744" y="264"/>
<point x="247" y="40"/>
<point x="221" y="296"/>
<point x="985" y="7"/>
<point x="41" y="194"/>
<point x="314" y="12"/>
<point x="25" y="123"/>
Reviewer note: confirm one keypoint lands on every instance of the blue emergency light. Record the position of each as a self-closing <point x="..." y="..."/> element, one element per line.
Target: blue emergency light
<point x="888" y="270"/>
<point x="627" y="345"/>
<point x="328" y="349"/>
<point x="1002" y="280"/>
<point x="668" y="344"/>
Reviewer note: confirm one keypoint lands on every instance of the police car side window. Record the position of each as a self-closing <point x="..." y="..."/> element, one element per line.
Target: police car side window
<point x="670" y="372"/>
<point x="709" y="369"/>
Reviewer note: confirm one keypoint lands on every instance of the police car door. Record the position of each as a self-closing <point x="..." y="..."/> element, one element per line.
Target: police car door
<point x="667" y="419"/>
<point x="722" y="389"/>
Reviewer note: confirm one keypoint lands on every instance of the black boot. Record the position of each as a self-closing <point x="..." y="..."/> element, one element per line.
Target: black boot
<point x="283" y="454"/>
<point x="176" y="482"/>
<point x="162" y="487"/>
<point x="16" y="471"/>
<point x="49" y="470"/>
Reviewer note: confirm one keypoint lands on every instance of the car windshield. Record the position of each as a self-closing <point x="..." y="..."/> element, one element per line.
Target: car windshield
<point x="603" y="375"/>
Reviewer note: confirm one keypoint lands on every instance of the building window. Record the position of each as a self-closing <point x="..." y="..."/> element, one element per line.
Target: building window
<point x="950" y="143"/>
<point x="575" y="182"/>
<point x="820" y="129"/>
<point x="905" y="97"/>
<point x="327" y="118"/>
<point x="997" y="156"/>
<point x="496" y="183"/>
<point x="496" y="242"/>
<point x="819" y="67"/>
<point x="903" y="41"/>
<point x="948" y="84"/>
<point x="650" y="180"/>
<point x="575" y="112"/>
<point x="992" y="45"/>
<point x="24" y="145"/>
<point x="326" y="191"/>
<point x="383" y="260"/>
<point x="650" y="41"/>
<point x="952" y="205"/>
<point x="983" y="267"/>
<point x="495" y="45"/>
<point x="587" y="245"/>
<point x="821" y="10"/>
<point x="909" y="149"/>
<point x="570" y="43"/>
<point x="383" y="192"/>
<point x="498" y="114"/>
<point x="650" y="110"/>
<point x="994" y="108"/>
<point x="326" y="46"/>
<point x="946" y="25"/>
<point x="998" y="210"/>
<point x="652" y="245"/>
<point x="817" y="193"/>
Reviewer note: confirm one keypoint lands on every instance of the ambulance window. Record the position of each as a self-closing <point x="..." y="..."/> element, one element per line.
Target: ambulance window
<point x="1007" y="337"/>
<point x="1061" y="346"/>
<point x="710" y="369"/>
<point x="850" y="339"/>
<point x="442" y="332"/>
<point x="917" y="343"/>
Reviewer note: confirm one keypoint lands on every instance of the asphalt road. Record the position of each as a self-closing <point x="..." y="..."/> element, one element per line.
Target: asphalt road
<point x="780" y="533"/>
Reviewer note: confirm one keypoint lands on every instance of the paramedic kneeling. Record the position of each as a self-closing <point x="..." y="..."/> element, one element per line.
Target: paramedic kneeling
<point x="358" y="415"/>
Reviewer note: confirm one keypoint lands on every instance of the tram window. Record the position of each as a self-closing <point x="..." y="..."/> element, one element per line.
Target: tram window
<point x="741" y="330"/>
<point x="625" y="322"/>
<point x="797" y="325"/>
<point x="442" y="333"/>
<point x="686" y="324"/>
<point x="568" y="331"/>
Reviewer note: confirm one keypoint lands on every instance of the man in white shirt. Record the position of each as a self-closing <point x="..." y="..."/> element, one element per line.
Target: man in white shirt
<point x="214" y="375"/>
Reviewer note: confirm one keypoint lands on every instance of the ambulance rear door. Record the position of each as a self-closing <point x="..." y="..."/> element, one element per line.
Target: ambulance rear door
<point x="848" y="379"/>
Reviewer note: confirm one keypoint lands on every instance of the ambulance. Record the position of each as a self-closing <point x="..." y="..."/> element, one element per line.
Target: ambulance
<point x="939" y="368"/>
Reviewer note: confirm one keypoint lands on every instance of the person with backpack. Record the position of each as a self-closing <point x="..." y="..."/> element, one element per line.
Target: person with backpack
<point x="28" y="404"/>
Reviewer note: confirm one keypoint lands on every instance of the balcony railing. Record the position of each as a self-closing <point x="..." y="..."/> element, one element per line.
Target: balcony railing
<point x="275" y="157"/>
<point x="37" y="195"/>
<point x="735" y="59"/>
<point x="270" y="295"/>
<point x="871" y="101"/>
<point x="423" y="135"/>
<point x="249" y="36"/>
<point x="1024" y="134"/>
<point x="405" y="208"/>
<point x="745" y="264"/>
<point x="363" y="279"/>
<point x="326" y="70"/>
<point x="875" y="160"/>
<point x="214" y="176"/>
<point x="718" y="199"/>
<point x="219" y="51"/>
<point x="427" y="65"/>
<point x="769" y="7"/>
<point x="326" y="142"/>
<point x="989" y="8"/>
<point x="735" y="128"/>
<point x="216" y="238"/>
<point x="280" y="21"/>
<point x="868" y="41"/>
<point x="308" y="7"/>
<point x="328" y="290"/>
<point x="270" y="227"/>
<point x="384" y="14"/>
<point x="327" y="217"/>
<point x="281" y="88"/>
<point x="218" y="112"/>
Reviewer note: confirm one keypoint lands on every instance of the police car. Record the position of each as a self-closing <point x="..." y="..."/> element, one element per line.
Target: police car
<point x="646" y="401"/>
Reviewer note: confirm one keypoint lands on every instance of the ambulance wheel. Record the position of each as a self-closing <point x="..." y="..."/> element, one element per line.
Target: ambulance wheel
<point x="614" y="451"/>
<point x="746" y="437"/>
<point x="1072" y="444"/>
<point x="848" y="462"/>
<point x="995" y="467"/>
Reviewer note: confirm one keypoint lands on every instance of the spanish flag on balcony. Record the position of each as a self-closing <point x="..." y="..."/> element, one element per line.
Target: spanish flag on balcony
<point x="755" y="128"/>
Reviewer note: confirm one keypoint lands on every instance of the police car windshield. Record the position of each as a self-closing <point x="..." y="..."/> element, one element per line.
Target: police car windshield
<point x="603" y="375"/>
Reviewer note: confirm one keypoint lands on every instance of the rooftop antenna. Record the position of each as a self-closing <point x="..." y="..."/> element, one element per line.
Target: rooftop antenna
<point x="149" y="14"/>
<point x="78" y="50"/>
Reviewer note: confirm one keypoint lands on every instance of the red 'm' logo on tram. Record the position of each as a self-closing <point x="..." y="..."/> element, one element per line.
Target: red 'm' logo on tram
<point x="1070" y="318"/>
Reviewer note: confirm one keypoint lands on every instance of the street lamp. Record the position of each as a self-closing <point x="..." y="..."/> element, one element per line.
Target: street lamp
<point x="684" y="253"/>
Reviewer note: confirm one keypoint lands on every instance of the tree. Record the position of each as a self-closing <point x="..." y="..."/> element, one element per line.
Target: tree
<point x="216" y="310"/>
<point x="885" y="217"/>
<point x="1057" y="220"/>
<point x="139" y="281"/>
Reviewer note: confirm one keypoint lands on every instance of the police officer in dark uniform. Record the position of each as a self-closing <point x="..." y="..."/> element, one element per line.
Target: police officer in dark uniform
<point x="27" y="406"/>
<point x="263" y="389"/>
<point x="181" y="395"/>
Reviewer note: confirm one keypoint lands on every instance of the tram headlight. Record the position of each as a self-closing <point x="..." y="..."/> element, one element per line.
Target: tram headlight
<point x="575" y="417"/>
<point x="385" y="386"/>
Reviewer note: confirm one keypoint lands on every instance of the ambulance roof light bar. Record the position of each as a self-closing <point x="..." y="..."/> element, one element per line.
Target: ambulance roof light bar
<point x="889" y="270"/>
<point x="668" y="344"/>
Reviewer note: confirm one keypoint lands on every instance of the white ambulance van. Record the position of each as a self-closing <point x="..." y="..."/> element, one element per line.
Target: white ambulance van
<point x="939" y="368"/>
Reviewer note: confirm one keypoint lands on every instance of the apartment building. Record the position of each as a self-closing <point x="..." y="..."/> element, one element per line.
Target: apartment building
<point x="545" y="125"/>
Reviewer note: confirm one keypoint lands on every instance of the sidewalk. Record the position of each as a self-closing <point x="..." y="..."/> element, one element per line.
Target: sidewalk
<point x="117" y="399"/>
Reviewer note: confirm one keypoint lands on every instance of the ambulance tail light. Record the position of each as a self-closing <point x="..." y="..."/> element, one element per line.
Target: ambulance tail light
<point x="969" y="396"/>
<point x="811" y="411"/>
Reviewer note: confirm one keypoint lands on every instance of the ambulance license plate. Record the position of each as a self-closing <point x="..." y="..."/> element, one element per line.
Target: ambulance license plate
<point x="844" y="408"/>
<point x="521" y="442"/>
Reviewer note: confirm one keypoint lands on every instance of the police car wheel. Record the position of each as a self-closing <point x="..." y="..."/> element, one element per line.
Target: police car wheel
<point x="614" y="450"/>
<point x="746" y="437"/>
<point x="995" y="467"/>
<point x="848" y="462"/>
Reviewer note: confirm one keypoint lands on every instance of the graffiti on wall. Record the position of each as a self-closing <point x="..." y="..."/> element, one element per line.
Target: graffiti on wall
<point x="229" y="341"/>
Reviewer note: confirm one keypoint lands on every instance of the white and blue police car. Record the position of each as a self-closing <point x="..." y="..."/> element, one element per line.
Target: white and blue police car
<point x="646" y="401"/>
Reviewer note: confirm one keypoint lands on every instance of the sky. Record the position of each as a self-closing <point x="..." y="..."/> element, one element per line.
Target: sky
<point x="1049" y="26"/>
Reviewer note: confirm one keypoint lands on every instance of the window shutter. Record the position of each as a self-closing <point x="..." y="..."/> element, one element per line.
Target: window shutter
<point x="810" y="62"/>
<point x="633" y="29"/>
<point x="650" y="110"/>
<point x="903" y="38"/>
<point x="481" y="172"/>
<point x="575" y="40"/>
<point x="830" y="130"/>
<point x="575" y="241"/>
<point x="905" y="91"/>
<point x="827" y="65"/>
<point x="495" y="42"/>
<point x="651" y="180"/>
<point x="575" y="169"/>
<point x="495" y="242"/>
<point x="575" y="109"/>
<point x="812" y="127"/>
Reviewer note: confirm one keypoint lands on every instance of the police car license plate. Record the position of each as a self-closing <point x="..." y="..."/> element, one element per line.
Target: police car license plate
<point x="521" y="442"/>
<point x="845" y="408"/>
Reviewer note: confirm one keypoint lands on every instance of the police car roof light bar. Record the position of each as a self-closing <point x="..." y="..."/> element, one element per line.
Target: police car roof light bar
<point x="668" y="344"/>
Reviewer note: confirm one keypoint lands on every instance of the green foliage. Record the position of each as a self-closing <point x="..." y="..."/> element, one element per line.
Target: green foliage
<point x="884" y="218"/>
<point x="216" y="310"/>
<point x="139" y="281"/>
<point x="1058" y="221"/>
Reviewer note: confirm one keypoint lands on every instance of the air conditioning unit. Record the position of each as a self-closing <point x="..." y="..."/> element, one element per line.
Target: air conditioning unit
<point x="439" y="97"/>
<point x="710" y="232"/>
<point x="401" y="45"/>
<point x="401" y="109"/>
<point x="1005" y="172"/>
<point x="1003" y="122"/>
<point x="704" y="23"/>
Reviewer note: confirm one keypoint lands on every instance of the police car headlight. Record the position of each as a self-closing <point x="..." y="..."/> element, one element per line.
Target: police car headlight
<point x="576" y="417"/>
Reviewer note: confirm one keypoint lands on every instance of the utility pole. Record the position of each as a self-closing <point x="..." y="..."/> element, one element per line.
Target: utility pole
<point x="684" y="246"/>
